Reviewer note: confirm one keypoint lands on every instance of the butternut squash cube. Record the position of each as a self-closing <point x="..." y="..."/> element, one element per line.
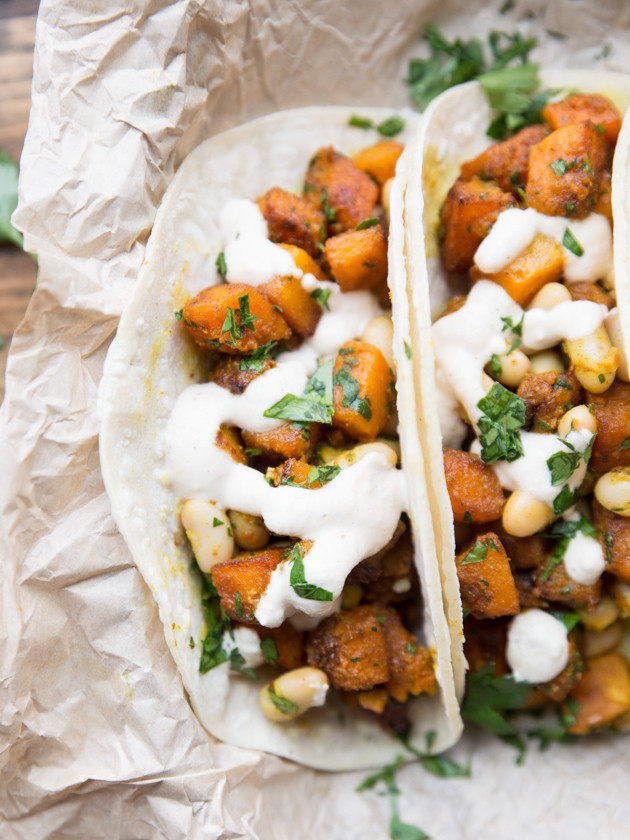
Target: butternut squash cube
<point x="585" y="106"/>
<point x="601" y="696"/>
<point x="379" y="160"/>
<point x="363" y="391"/>
<point x="242" y="580"/>
<point x="358" y="258"/>
<point x="301" y="311"/>
<point x="304" y="261"/>
<point x="485" y="578"/>
<point x="292" y="219"/>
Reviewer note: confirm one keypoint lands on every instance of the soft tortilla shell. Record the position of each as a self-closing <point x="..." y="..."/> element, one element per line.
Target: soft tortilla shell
<point x="151" y="361"/>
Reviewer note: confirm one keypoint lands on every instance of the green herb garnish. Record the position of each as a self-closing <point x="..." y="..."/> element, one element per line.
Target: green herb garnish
<point x="351" y="388"/>
<point x="367" y="223"/>
<point x="571" y="244"/>
<point x="321" y="296"/>
<point x="221" y="265"/>
<point x="503" y="414"/>
<point x="360" y="122"/>
<point x="256" y="361"/>
<point x="283" y="704"/>
<point x="8" y="200"/>
<point x="316" y="404"/>
<point x="488" y="697"/>
<point x="391" y="127"/>
<point x="298" y="580"/>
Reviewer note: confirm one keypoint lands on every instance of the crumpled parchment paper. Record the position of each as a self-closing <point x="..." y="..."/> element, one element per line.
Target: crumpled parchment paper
<point x="97" y="739"/>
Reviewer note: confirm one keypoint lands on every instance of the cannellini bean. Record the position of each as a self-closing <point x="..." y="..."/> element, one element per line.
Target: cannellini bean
<point x="292" y="693"/>
<point x="595" y="360"/>
<point x="546" y="360"/>
<point x="208" y="529"/>
<point x="352" y="456"/>
<point x="524" y="514"/>
<point x="604" y="614"/>
<point x="596" y="644"/>
<point x="380" y="333"/>
<point x="615" y="333"/>
<point x="514" y="366"/>
<point x="249" y="531"/>
<point x="577" y="418"/>
<point x="612" y="490"/>
<point x="621" y="592"/>
<point x="549" y="296"/>
<point x="385" y="193"/>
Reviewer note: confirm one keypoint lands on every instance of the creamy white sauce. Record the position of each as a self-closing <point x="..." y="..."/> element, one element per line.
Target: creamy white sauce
<point x="584" y="559"/>
<point x="348" y="519"/>
<point x="247" y="642"/>
<point x="515" y="229"/>
<point x="537" y="646"/>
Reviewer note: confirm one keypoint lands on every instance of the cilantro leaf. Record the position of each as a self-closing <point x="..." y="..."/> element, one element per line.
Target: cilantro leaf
<point x="478" y="552"/>
<point x="323" y="474"/>
<point x="351" y="388"/>
<point x="391" y="127"/>
<point x="571" y="244"/>
<point x="562" y="465"/>
<point x="237" y="663"/>
<point x="367" y="223"/>
<point x="321" y="296"/>
<point x="256" y="360"/>
<point x="360" y="122"/>
<point x="487" y="697"/>
<point x="298" y="580"/>
<point x="221" y="265"/>
<point x="270" y="650"/>
<point x="316" y="404"/>
<point x="283" y="704"/>
<point x="8" y="199"/>
<point x="565" y="499"/>
<point x="503" y="414"/>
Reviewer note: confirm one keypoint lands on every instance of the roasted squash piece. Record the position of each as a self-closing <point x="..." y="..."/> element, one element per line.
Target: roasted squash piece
<point x="337" y="186"/>
<point x="233" y="318"/>
<point x="554" y="584"/>
<point x="526" y="552"/>
<point x="304" y="261"/>
<point x="614" y="538"/>
<point x="363" y="392"/>
<point x="301" y="311"/>
<point x="379" y="160"/>
<point x="468" y="213"/>
<point x="358" y="258"/>
<point x="229" y="440"/>
<point x="485" y="643"/>
<point x="585" y="106"/>
<point x="289" y="644"/>
<point x="242" y="580"/>
<point x="485" y="578"/>
<point x="294" y="220"/>
<point x="294" y="472"/>
<point x="547" y="397"/>
<point x="566" y="171"/>
<point x="506" y="162"/>
<point x="560" y="686"/>
<point x="473" y="487"/>
<point x="285" y="441"/>
<point x="229" y="374"/>
<point x="410" y="664"/>
<point x="601" y="696"/>
<point x="611" y="447"/>
<point x="584" y="290"/>
<point x="540" y="263"/>
<point x="604" y="201"/>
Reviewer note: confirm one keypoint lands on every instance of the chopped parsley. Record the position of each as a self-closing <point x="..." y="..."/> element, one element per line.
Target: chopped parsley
<point x="321" y="296"/>
<point x="221" y="265"/>
<point x="245" y="320"/>
<point x="367" y="223"/>
<point x="562" y="465"/>
<point x="328" y="209"/>
<point x="625" y="444"/>
<point x="237" y="663"/>
<point x="496" y="368"/>
<point x="478" y="552"/>
<point x="508" y="324"/>
<point x="316" y="404"/>
<point x="351" y="387"/>
<point x="571" y="244"/>
<point x="561" y="167"/>
<point x="238" y="605"/>
<point x="488" y="698"/>
<point x="503" y="414"/>
<point x="570" y="620"/>
<point x="565" y="499"/>
<point x="407" y="349"/>
<point x="257" y="359"/>
<point x="270" y="650"/>
<point x="563" y="531"/>
<point x="323" y="474"/>
<point x="298" y="580"/>
<point x="360" y="122"/>
<point x="391" y="127"/>
<point x="398" y="830"/>
<point x="212" y="653"/>
<point x="216" y="522"/>
<point x="283" y="704"/>
<point x="179" y="315"/>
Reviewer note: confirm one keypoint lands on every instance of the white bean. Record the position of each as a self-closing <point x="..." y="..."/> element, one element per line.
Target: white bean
<point x="524" y="514"/>
<point x="208" y="529"/>
<point x="514" y="367"/>
<point x="249" y="531"/>
<point x="612" y="490"/>
<point x="380" y="333"/>
<point x="292" y="693"/>
<point x="546" y="360"/>
<point x="605" y="613"/>
<point x="352" y="456"/>
<point x="594" y="360"/>
<point x="550" y="296"/>
<point x="577" y="418"/>
<point x="597" y="644"/>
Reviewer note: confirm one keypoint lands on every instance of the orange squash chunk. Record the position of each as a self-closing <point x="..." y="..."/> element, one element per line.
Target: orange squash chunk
<point x="556" y="585"/>
<point x="248" y="575"/>
<point x="566" y="171"/>
<point x="298" y="472"/>
<point x="380" y="159"/>
<point x="363" y="391"/>
<point x="506" y="162"/>
<point x="358" y="258"/>
<point x="229" y="440"/>
<point x="205" y="317"/>
<point x="289" y="643"/>
<point x="475" y="491"/>
<point x="601" y="696"/>
<point x="585" y="106"/>
<point x="585" y="290"/>
<point x="293" y="219"/>
<point x="540" y="263"/>
<point x="614" y="538"/>
<point x="604" y="201"/>
<point x="285" y="441"/>
<point x="485" y="578"/>
<point x="547" y="396"/>
<point x="304" y="261"/>
<point x="345" y="193"/>
<point x="410" y="665"/>
<point x="612" y="412"/>
<point x="228" y="374"/>
<point x="468" y="213"/>
<point x="485" y="644"/>
<point x="301" y="311"/>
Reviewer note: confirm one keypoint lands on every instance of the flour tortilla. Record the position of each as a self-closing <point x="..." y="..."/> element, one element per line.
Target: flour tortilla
<point x="151" y="361"/>
<point x="453" y="131"/>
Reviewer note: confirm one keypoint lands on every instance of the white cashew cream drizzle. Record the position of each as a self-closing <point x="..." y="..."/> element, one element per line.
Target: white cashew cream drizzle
<point x="349" y="518"/>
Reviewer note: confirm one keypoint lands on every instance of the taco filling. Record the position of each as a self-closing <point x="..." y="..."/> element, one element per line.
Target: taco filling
<point x="534" y="395"/>
<point x="287" y="461"/>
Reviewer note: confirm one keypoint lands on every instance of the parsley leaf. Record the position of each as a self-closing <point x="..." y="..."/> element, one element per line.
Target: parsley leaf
<point x="487" y="697"/>
<point x="221" y="265"/>
<point x="564" y="530"/>
<point x="478" y="552"/>
<point x="360" y="122"/>
<point x="328" y="209"/>
<point x="351" y="387"/>
<point x="321" y="296"/>
<point x="257" y="359"/>
<point x="503" y="414"/>
<point x="298" y="580"/>
<point x="212" y="653"/>
<point x="562" y="465"/>
<point x="367" y="223"/>
<point x="323" y="474"/>
<point x="270" y="650"/>
<point x="283" y="704"/>
<point x="237" y="663"/>
<point x="565" y="499"/>
<point x="398" y="830"/>
<point x="316" y="404"/>
<point x="391" y="127"/>
<point x="571" y="244"/>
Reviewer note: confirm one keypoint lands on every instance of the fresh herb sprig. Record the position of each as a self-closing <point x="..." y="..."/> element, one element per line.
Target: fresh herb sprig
<point x="315" y="406"/>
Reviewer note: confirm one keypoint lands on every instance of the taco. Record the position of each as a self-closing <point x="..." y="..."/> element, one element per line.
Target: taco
<point x="249" y="397"/>
<point x="517" y="255"/>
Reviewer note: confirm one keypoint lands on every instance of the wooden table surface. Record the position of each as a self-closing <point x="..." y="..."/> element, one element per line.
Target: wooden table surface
<point x="18" y="271"/>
